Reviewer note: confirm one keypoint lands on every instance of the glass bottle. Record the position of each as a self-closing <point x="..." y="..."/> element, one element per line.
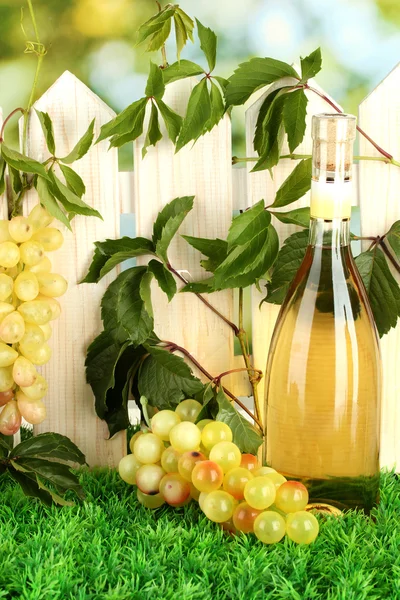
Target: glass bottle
<point x="323" y="371"/>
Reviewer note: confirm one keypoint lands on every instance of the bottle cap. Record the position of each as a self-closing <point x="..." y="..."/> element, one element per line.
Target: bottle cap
<point x="333" y="136"/>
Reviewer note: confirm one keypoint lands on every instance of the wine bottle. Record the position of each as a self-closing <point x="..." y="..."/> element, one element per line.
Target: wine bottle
<point x="323" y="372"/>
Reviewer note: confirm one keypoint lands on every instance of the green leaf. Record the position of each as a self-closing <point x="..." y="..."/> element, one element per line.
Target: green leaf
<point x="180" y="35"/>
<point x="155" y="87"/>
<point x="393" y="237"/>
<point x="208" y="43"/>
<point x="81" y="147"/>
<point x="159" y="38"/>
<point x="16" y="181"/>
<point x="30" y="487"/>
<point x="298" y="216"/>
<point x="252" y="75"/>
<point x="22" y="163"/>
<point x="180" y="70"/>
<point x="187" y="21"/>
<point x="197" y="114"/>
<point x="259" y="140"/>
<point x="172" y="120"/>
<point x="295" y="186"/>
<point x="289" y="260"/>
<point x="206" y="286"/>
<point x="153" y="132"/>
<point x="294" y="117"/>
<point x="382" y="289"/>
<point x="247" y="225"/>
<point x="273" y="134"/>
<point x="245" y="435"/>
<point x="223" y="83"/>
<point x="128" y="123"/>
<point x="70" y="201"/>
<point x="47" y="127"/>
<point x="216" y="250"/>
<point x="165" y="379"/>
<point x="45" y="192"/>
<point x="98" y="261"/>
<point x="6" y="443"/>
<point x="145" y="292"/>
<point x="168" y="222"/>
<point x="73" y="180"/>
<point x="2" y="175"/>
<point x="50" y="445"/>
<point x="207" y="398"/>
<point x="164" y="278"/>
<point x="217" y="107"/>
<point x="155" y="24"/>
<point x="311" y="65"/>
<point x="53" y="473"/>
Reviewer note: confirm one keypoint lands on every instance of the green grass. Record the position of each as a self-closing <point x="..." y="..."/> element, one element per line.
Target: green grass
<point x="111" y="547"/>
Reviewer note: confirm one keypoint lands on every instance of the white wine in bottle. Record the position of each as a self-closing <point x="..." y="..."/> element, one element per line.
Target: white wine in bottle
<point x="323" y="370"/>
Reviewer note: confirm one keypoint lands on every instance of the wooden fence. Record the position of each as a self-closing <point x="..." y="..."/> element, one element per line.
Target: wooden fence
<point x="206" y="172"/>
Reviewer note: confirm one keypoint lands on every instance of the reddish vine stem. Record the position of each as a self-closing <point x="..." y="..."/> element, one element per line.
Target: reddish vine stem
<point x="172" y="347"/>
<point x="12" y="113"/>
<point x="251" y="370"/>
<point x="389" y="255"/>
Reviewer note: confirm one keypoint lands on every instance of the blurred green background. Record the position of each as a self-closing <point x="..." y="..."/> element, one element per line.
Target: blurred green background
<point x="95" y="39"/>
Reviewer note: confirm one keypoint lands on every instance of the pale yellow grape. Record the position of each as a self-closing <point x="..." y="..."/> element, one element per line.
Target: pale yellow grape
<point x="148" y="478"/>
<point x="5" y="309"/>
<point x="163" y="422"/>
<point x="12" y="328"/>
<point x="34" y="336"/>
<point x="33" y="411"/>
<point x="6" y="378"/>
<point x="26" y="286"/>
<point x="53" y="304"/>
<point x="37" y="390"/>
<point x="150" y="501"/>
<point x="218" y="506"/>
<point x="189" y="410"/>
<point x="6" y="286"/>
<point x="9" y="254"/>
<point x="47" y="331"/>
<point x="148" y="448"/>
<point x="39" y="355"/>
<point x="20" y="229"/>
<point x="4" y="231"/>
<point x="269" y="527"/>
<point x="215" y="432"/>
<point x="37" y="312"/>
<point x="170" y="459"/>
<point x="8" y="355"/>
<point x="39" y="217"/>
<point x="226" y="454"/>
<point x="43" y="266"/>
<point x="31" y="253"/>
<point x="52" y="284"/>
<point x="302" y="527"/>
<point x="202" y="497"/>
<point x="263" y="471"/>
<point x="201" y="424"/>
<point x="10" y="419"/>
<point x="7" y="396"/>
<point x="185" y="436"/>
<point x="134" y="438"/>
<point x="24" y="372"/>
<point x="128" y="467"/>
<point x="277" y="479"/>
<point x="50" y="238"/>
<point x="260" y="492"/>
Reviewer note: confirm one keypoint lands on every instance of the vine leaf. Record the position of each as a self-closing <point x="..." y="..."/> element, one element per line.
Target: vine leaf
<point x="48" y="131"/>
<point x="295" y="186"/>
<point x="198" y="112"/>
<point x="50" y="445"/>
<point x="2" y="175"/>
<point x="168" y="222"/>
<point x="297" y="216"/>
<point x="45" y="192"/>
<point x="173" y="121"/>
<point x="70" y="201"/>
<point x="382" y="289"/>
<point x="180" y="70"/>
<point x="18" y="161"/>
<point x="254" y="74"/>
<point x="294" y="117"/>
<point x="217" y="107"/>
<point x="273" y="135"/>
<point x="393" y="237"/>
<point x="153" y="132"/>
<point x="208" y="43"/>
<point x="311" y="65"/>
<point x="248" y="224"/>
<point x="73" y="180"/>
<point x="155" y="86"/>
<point x="245" y="435"/>
<point x="216" y="251"/>
<point x="259" y="140"/>
<point x="184" y="26"/>
<point x="164" y="278"/>
<point x="127" y="126"/>
<point x="206" y="286"/>
<point x="82" y="146"/>
<point x="156" y="28"/>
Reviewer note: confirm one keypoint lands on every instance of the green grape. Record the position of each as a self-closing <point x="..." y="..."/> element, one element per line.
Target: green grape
<point x="250" y="462"/>
<point x="207" y="476"/>
<point x="187" y="462"/>
<point x="185" y="436"/>
<point x="148" y="478"/>
<point x="235" y="480"/>
<point x="269" y="527"/>
<point x="37" y="390"/>
<point x="244" y="516"/>
<point x="169" y="460"/>
<point x="47" y="331"/>
<point x="31" y="253"/>
<point x="26" y="286"/>
<point x="225" y="454"/>
<point x="174" y="489"/>
<point x="20" y="229"/>
<point x="5" y="309"/>
<point x="39" y="217"/>
<point x="9" y="254"/>
<point x="43" y="266"/>
<point x="291" y="496"/>
<point x="33" y="336"/>
<point x="263" y="471"/>
<point x="8" y="355"/>
<point x="36" y="312"/>
<point x="202" y="497"/>
<point x="218" y="506"/>
<point x="52" y="284"/>
<point x="39" y="355"/>
<point x="201" y="424"/>
<point x="163" y="422"/>
<point x="50" y="238"/>
<point x="149" y="501"/>
<point x="4" y="231"/>
<point x="32" y="410"/>
<point x="128" y="467"/>
<point x="302" y="527"/>
<point x="276" y="478"/>
<point x="23" y="372"/>
<point x="194" y="492"/>
<point x="259" y="492"/>
<point x="6" y="286"/>
<point x="10" y="419"/>
<point x="53" y="304"/>
<point x="215" y="432"/>
<point x="12" y="328"/>
<point x="188" y="410"/>
<point x="148" y="448"/>
<point x="134" y="438"/>
<point x="6" y="396"/>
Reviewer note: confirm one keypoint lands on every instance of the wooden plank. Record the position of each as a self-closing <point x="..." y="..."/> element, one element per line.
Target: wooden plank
<point x="261" y="185"/>
<point x="379" y="200"/>
<point x="70" y="406"/>
<point x="204" y="171"/>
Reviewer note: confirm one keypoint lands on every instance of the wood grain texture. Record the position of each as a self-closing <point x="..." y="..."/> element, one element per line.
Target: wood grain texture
<point x="261" y="185"/>
<point x="379" y="116"/>
<point x="70" y="404"/>
<point x="202" y="170"/>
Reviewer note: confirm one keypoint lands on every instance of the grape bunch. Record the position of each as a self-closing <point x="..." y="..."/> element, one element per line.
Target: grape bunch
<point x="28" y="292"/>
<point x="179" y="460"/>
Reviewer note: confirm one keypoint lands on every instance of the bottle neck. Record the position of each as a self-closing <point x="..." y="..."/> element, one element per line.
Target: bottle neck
<point x="329" y="234"/>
